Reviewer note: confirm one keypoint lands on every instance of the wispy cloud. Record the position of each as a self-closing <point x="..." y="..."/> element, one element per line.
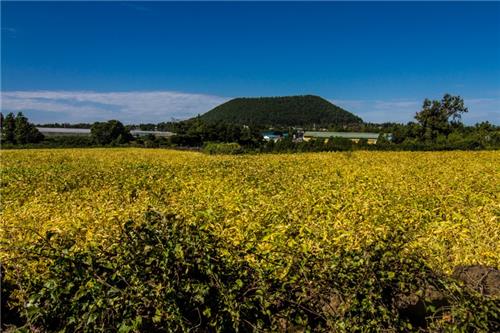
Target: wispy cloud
<point x="396" y="105"/>
<point x="378" y="111"/>
<point x="88" y="106"/>
<point x="483" y="109"/>
<point x="403" y="110"/>
<point x="157" y="106"/>
<point x="349" y="104"/>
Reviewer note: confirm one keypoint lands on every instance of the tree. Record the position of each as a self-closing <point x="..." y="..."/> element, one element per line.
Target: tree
<point x="109" y="132"/>
<point x="438" y="117"/>
<point x="8" y="128"/>
<point x="147" y="127"/>
<point x="24" y="131"/>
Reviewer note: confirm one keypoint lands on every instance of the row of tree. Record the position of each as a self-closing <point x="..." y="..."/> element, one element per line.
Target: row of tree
<point x="111" y="132"/>
<point x="18" y="130"/>
<point x="438" y="126"/>
<point x="196" y="132"/>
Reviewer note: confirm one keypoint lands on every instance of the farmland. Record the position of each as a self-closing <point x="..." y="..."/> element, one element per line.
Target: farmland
<point x="268" y="206"/>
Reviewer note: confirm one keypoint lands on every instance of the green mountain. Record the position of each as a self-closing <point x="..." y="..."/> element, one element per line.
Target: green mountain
<point x="300" y="111"/>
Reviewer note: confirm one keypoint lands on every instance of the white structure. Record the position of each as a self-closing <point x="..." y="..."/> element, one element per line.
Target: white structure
<point x="53" y="131"/>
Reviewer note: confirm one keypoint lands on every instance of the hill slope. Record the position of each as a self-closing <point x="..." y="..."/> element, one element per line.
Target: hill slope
<point x="280" y="111"/>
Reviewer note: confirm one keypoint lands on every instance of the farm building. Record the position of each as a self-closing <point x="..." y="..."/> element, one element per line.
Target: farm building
<point x="354" y="136"/>
<point x="137" y="133"/>
<point x="273" y="135"/>
<point x="52" y="131"/>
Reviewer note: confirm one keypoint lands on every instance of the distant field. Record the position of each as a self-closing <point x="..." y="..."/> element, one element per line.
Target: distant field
<point x="450" y="199"/>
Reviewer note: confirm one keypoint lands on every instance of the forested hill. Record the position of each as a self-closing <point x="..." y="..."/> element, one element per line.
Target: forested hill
<point x="302" y="111"/>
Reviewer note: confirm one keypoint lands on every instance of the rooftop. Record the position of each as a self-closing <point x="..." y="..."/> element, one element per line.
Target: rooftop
<point x="86" y="131"/>
<point x="349" y="135"/>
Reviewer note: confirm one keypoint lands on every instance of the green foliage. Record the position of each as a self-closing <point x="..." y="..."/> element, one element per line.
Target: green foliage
<point x="166" y="274"/>
<point x="339" y="144"/>
<point x="151" y="141"/>
<point x="196" y="132"/>
<point x="214" y="148"/>
<point x="65" y="125"/>
<point x="288" y="145"/>
<point x="26" y="132"/>
<point x="8" y="128"/>
<point x="163" y="275"/>
<point x="68" y="141"/>
<point x="363" y="142"/>
<point x="437" y="117"/>
<point x="110" y="132"/>
<point x="18" y="130"/>
<point x="287" y="111"/>
<point x="63" y="141"/>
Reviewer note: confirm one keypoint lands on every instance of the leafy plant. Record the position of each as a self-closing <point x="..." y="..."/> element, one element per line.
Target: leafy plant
<point x="213" y="148"/>
<point x="161" y="275"/>
<point x="168" y="275"/>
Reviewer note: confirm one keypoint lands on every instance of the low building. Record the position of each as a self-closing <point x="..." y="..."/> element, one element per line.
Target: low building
<point x="56" y="131"/>
<point x="353" y="136"/>
<point x="138" y="133"/>
<point x="53" y="131"/>
<point x="273" y="135"/>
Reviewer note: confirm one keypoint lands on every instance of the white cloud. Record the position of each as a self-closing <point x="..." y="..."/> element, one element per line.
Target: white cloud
<point x="396" y="105"/>
<point x="349" y="103"/>
<point x="403" y="110"/>
<point x="156" y="106"/>
<point x="482" y="109"/>
<point x="88" y="106"/>
<point x="379" y="111"/>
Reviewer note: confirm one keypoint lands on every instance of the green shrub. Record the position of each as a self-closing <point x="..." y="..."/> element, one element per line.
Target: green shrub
<point x="213" y="148"/>
<point x="163" y="275"/>
<point x="167" y="275"/>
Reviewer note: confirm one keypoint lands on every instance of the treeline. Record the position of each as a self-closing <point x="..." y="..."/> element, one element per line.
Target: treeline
<point x="66" y="125"/>
<point x="437" y="126"/>
<point x="412" y="136"/>
<point x="197" y="132"/>
<point x="18" y="130"/>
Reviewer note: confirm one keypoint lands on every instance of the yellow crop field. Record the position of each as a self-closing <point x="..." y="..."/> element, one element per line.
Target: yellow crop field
<point x="452" y="199"/>
<point x="275" y="204"/>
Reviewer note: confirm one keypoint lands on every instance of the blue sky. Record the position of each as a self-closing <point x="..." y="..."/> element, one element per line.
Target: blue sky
<point x="154" y="61"/>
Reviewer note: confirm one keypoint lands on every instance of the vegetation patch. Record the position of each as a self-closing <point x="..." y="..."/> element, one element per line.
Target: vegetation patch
<point x="222" y="148"/>
<point x="284" y="111"/>
<point x="165" y="275"/>
<point x="344" y="241"/>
